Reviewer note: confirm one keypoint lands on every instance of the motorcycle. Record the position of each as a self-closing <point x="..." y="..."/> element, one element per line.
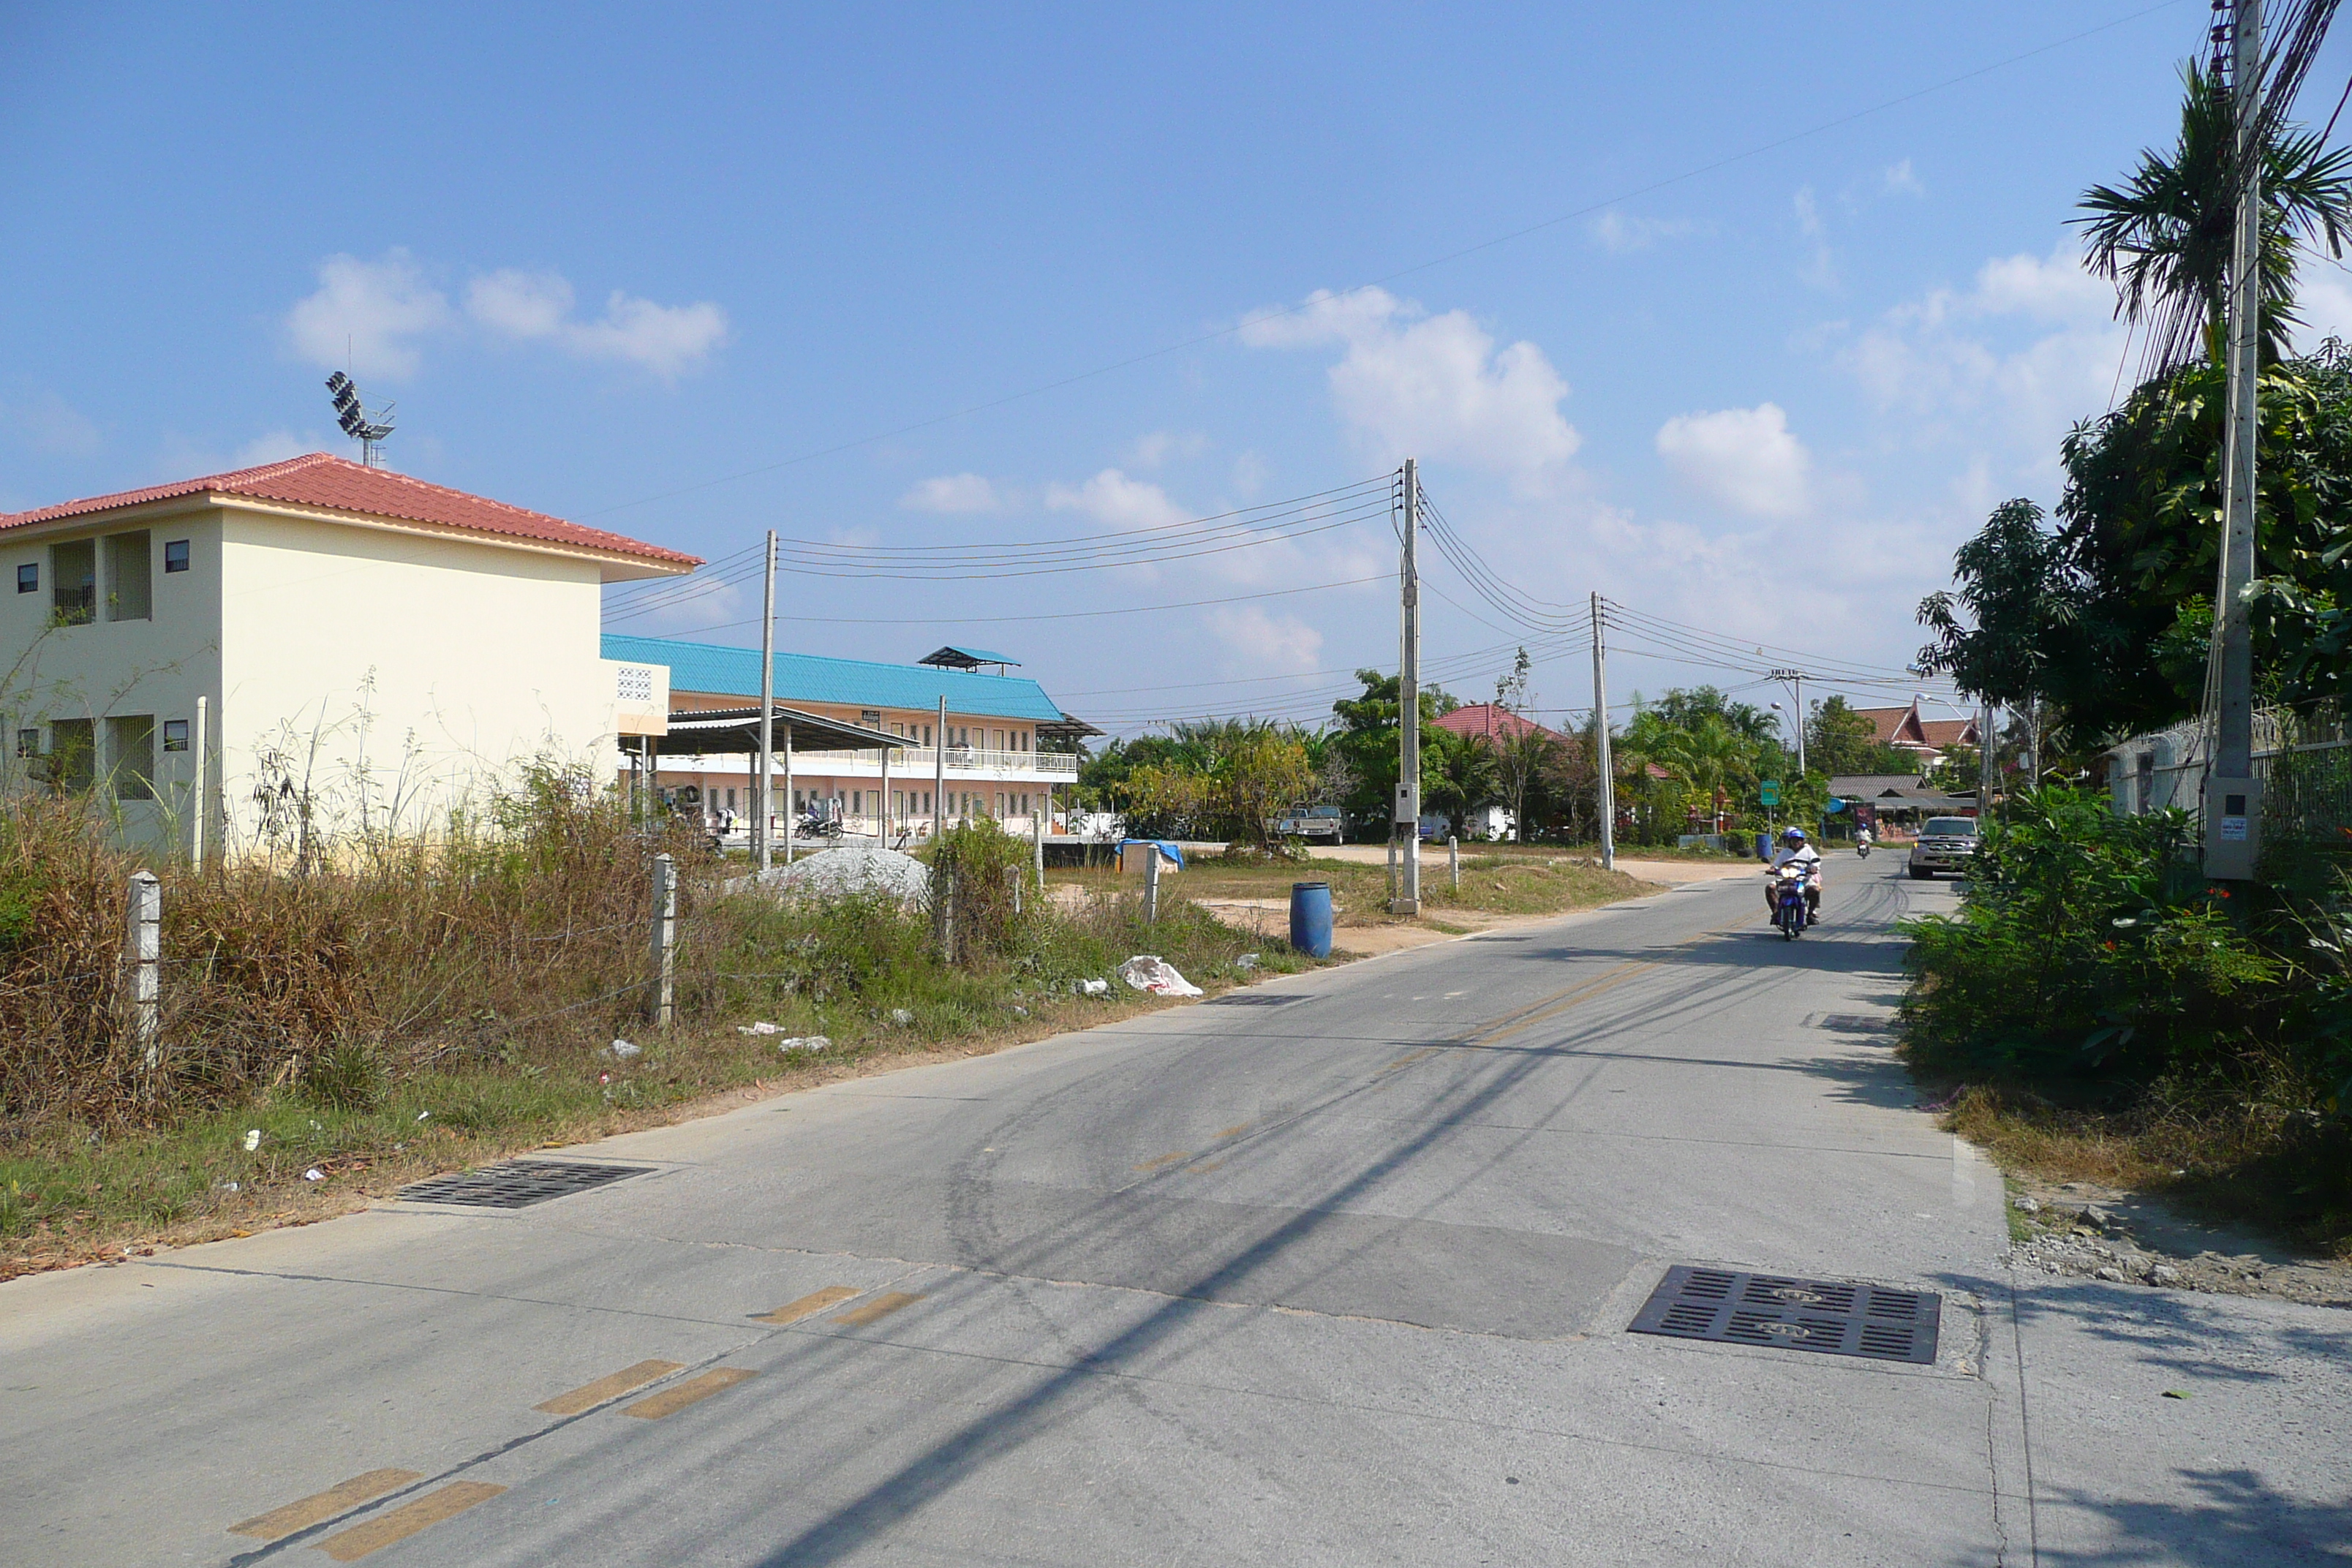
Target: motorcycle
<point x="1788" y="914"/>
<point x="1862" y="850"/>
<point x="818" y="827"/>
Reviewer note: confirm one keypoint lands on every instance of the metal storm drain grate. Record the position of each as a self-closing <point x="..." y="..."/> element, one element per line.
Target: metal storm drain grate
<point x="1245" y="999"/>
<point x="517" y="1184"/>
<point x="1794" y="1314"/>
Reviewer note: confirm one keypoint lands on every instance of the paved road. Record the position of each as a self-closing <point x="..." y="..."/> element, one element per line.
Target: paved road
<point x="1343" y="1279"/>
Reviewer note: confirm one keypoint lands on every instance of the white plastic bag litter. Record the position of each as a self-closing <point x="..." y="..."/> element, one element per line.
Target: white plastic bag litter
<point x="903" y="1018"/>
<point x="804" y="1043"/>
<point x="1088" y="987"/>
<point x="1157" y="975"/>
<point x="621" y="1050"/>
<point x="759" y="1028"/>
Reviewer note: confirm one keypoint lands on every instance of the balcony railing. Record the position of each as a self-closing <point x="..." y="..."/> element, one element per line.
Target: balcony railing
<point x="921" y="761"/>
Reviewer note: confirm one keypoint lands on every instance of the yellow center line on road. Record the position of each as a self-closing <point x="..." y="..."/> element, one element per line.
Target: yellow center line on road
<point x="880" y="1307"/>
<point x="808" y="1306"/>
<point x="693" y="1391"/>
<point x="589" y="1395"/>
<point x="1165" y="1160"/>
<point x="350" y="1545"/>
<point x="281" y="1522"/>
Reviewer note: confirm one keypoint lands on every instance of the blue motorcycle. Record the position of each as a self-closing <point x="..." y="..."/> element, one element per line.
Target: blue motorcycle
<point x="1789" y="900"/>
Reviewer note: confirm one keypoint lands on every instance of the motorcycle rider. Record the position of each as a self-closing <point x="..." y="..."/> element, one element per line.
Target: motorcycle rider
<point x="1863" y="840"/>
<point x="1793" y="848"/>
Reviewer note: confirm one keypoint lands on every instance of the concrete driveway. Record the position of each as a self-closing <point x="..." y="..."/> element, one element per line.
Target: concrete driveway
<point x="1339" y="1272"/>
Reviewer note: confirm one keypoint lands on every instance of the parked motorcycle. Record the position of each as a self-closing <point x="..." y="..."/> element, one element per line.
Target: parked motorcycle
<point x="818" y="827"/>
<point x="1789" y="900"/>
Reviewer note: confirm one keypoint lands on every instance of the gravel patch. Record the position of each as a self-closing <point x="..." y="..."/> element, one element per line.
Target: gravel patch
<point x="846" y="869"/>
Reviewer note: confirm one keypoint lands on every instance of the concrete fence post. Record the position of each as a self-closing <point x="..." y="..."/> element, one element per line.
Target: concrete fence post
<point x="1150" y="884"/>
<point x="665" y="940"/>
<point x="1454" y="860"/>
<point x="143" y="970"/>
<point x="943" y="909"/>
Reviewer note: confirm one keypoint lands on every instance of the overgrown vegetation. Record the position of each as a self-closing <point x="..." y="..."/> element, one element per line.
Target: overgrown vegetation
<point x="2106" y="997"/>
<point x="400" y="1007"/>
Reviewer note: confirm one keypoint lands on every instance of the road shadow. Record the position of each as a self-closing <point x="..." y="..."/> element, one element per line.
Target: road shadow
<point x="2231" y="1518"/>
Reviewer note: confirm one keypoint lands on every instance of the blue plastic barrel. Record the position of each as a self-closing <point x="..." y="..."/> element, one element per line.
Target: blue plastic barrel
<point x="1310" y="918"/>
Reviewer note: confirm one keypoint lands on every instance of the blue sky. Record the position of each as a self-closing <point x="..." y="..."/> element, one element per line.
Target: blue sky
<point x="604" y="258"/>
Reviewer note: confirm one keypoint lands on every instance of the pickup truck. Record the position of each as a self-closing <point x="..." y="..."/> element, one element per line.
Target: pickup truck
<point x="1312" y="822"/>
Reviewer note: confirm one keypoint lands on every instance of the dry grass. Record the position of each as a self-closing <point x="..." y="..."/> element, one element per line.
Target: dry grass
<point x="2252" y="1160"/>
<point x="1523" y="882"/>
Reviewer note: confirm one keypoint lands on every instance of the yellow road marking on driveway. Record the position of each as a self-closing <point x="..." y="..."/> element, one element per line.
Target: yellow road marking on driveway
<point x="281" y="1522"/>
<point x="589" y="1395"/>
<point x="880" y="1307"/>
<point x="405" y="1520"/>
<point x="808" y="1306"/>
<point x="693" y="1391"/>
<point x="1236" y="1130"/>
<point x="1165" y="1160"/>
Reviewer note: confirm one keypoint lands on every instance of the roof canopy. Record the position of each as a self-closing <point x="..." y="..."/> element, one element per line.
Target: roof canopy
<point x="1066" y="729"/>
<point x="712" y="731"/>
<point x="322" y="483"/>
<point x="851" y="682"/>
<point x="953" y="658"/>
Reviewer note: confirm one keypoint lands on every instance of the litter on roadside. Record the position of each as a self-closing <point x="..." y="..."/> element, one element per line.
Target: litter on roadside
<point x="1088" y="987"/>
<point x="903" y="1018"/>
<point x="1157" y="975"/>
<point x="252" y="1139"/>
<point x="1246" y="961"/>
<point x="621" y="1050"/>
<point x="761" y="1026"/>
<point x="314" y="1175"/>
<point x="806" y="1043"/>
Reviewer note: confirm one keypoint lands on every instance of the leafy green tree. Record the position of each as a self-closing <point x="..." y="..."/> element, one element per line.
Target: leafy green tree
<point x="1367" y="740"/>
<point x="1232" y="780"/>
<point x="2023" y="597"/>
<point x="1459" y="773"/>
<point x="1703" y="752"/>
<point x="2164" y="235"/>
<point x="1840" y="740"/>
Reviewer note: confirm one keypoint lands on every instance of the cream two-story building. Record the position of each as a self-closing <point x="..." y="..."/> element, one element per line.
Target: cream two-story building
<point x="309" y="648"/>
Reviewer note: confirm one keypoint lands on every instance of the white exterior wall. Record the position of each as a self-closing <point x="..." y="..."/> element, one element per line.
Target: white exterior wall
<point x="396" y="672"/>
<point x="393" y="672"/>
<point x="112" y="669"/>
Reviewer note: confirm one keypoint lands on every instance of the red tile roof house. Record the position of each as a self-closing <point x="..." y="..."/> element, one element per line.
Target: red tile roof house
<point x="1929" y="738"/>
<point x="1491" y="721"/>
<point x="349" y="643"/>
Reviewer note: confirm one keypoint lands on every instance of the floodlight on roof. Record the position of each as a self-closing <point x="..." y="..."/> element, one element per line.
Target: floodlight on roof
<point x="369" y="432"/>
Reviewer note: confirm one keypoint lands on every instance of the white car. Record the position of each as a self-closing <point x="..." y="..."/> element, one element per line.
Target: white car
<point x="1945" y="845"/>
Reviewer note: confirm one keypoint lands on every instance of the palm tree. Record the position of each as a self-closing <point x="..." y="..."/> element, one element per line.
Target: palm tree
<point x="1707" y="753"/>
<point x="2163" y="236"/>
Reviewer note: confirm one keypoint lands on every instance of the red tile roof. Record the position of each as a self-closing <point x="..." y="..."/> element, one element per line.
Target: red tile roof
<point x="338" y="484"/>
<point x="1490" y="720"/>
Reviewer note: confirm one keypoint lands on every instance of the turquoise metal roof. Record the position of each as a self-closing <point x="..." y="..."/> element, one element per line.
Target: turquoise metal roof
<point x="856" y="682"/>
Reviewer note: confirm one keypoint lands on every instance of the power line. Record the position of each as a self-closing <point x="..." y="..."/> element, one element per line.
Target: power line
<point x="1054" y="615"/>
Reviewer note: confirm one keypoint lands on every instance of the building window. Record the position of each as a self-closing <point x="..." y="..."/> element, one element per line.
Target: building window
<point x="175" y="555"/>
<point x="130" y="578"/>
<point x="73" y="582"/>
<point x="28" y="578"/>
<point x="73" y="754"/>
<point x="730" y="793"/>
<point x="175" y="735"/>
<point x="28" y="742"/>
<point x="130" y="756"/>
<point x="927" y="734"/>
<point x="871" y="719"/>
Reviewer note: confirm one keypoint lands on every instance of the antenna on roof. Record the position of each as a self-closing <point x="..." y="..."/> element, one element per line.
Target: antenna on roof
<point x="368" y="430"/>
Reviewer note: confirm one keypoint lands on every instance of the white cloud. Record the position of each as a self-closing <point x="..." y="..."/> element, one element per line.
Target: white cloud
<point x="1821" y="270"/>
<point x="273" y="446"/>
<point x="953" y="493"/>
<point x="49" y="424"/>
<point x="1264" y="644"/>
<point x="1745" y="457"/>
<point x="367" y="315"/>
<point x="1118" y="503"/>
<point x="1433" y="386"/>
<point x="2324" y="300"/>
<point x="1618" y="232"/>
<point x="1902" y="181"/>
<point x="2028" y="349"/>
<point x="667" y="340"/>
<point x="1150" y="451"/>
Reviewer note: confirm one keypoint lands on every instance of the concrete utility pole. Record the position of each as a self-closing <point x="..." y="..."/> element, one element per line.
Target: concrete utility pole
<point x="1408" y="801"/>
<point x="763" y="846"/>
<point x="1985" y="717"/>
<point x="2233" y="796"/>
<point x="1796" y="677"/>
<point x="198" y="810"/>
<point x="940" y="775"/>
<point x="1607" y="796"/>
